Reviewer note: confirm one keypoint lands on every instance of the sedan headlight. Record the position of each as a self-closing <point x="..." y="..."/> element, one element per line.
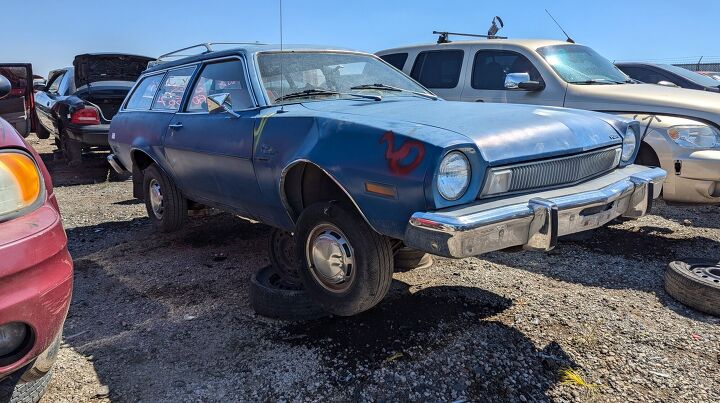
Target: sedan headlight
<point x="20" y="183"/>
<point x="695" y="136"/>
<point x="453" y="176"/>
<point x="629" y="145"/>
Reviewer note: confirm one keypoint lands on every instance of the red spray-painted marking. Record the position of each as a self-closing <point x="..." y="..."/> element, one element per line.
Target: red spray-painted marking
<point x="394" y="157"/>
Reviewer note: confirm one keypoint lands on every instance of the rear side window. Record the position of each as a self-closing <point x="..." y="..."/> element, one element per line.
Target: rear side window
<point x="491" y="66"/>
<point x="54" y="86"/>
<point x="144" y="93"/>
<point x="221" y="78"/>
<point x="438" y="68"/>
<point x="172" y="89"/>
<point x="397" y="60"/>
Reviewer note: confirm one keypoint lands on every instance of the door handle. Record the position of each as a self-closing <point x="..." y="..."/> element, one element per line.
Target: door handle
<point x="176" y="126"/>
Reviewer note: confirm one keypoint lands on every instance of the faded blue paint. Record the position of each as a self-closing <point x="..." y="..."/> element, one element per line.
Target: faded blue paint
<point x="237" y="163"/>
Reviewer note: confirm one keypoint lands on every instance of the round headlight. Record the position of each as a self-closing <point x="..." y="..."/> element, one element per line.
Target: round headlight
<point x="453" y="176"/>
<point x="629" y="145"/>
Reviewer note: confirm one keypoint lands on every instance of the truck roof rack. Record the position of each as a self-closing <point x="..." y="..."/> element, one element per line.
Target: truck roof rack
<point x="208" y="47"/>
<point x="444" y="36"/>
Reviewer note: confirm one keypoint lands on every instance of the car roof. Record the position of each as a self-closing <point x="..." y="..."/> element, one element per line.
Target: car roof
<point x="523" y="43"/>
<point x="250" y="50"/>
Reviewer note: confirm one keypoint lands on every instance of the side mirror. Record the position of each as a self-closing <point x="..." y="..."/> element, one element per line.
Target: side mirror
<point x="5" y="87"/>
<point x="39" y="85"/>
<point x="219" y="103"/>
<point x="667" y="84"/>
<point x="521" y="81"/>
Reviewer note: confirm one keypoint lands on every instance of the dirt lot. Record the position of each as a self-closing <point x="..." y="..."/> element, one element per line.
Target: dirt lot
<point x="166" y="317"/>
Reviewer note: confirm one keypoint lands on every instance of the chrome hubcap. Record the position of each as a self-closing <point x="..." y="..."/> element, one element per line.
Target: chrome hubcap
<point x="330" y="258"/>
<point x="156" y="199"/>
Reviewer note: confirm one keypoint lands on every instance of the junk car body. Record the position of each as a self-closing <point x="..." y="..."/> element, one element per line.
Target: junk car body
<point x="356" y="159"/>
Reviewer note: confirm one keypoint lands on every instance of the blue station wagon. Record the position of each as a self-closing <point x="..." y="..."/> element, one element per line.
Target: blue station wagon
<point x="357" y="160"/>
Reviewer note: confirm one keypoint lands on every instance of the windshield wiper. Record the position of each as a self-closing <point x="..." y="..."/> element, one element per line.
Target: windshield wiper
<point x="320" y="92"/>
<point x="605" y="81"/>
<point x="385" y="87"/>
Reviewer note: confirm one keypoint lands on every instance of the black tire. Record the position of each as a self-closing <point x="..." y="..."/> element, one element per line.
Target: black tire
<point x="272" y="297"/>
<point x="409" y="259"/>
<point x="366" y="280"/>
<point x="41" y="132"/>
<point x="695" y="283"/>
<point x="173" y="211"/>
<point x="14" y="390"/>
<point x="281" y="249"/>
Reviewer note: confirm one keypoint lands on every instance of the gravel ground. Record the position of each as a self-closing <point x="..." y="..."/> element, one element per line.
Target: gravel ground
<point x="166" y="317"/>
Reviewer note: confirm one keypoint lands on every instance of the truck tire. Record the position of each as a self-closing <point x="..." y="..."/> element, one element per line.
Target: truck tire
<point x="14" y="390"/>
<point x="165" y="204"/>
<point x="409" y="259"/>
<point x="273" y="297"/>
<point x="695" y="283"/>
<point x="346" y="266"/>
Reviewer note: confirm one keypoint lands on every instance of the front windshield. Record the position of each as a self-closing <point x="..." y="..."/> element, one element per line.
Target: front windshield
<point x="334" y="73"/>
<point x="578" y="64"/>
<point x="691" y="75"/>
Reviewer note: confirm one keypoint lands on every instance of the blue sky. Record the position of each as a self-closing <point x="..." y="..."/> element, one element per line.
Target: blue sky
<point x="623" y="30"/>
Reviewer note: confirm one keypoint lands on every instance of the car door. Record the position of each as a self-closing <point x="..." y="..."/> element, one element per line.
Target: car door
<point x="45" y="101"/>
<point x="486" y="81"/>
<point x="211" y="153"/>
<point x="17" y="107"/>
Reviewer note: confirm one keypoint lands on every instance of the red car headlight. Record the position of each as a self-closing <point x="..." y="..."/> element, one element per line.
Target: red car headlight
<point x="20" y="183"/>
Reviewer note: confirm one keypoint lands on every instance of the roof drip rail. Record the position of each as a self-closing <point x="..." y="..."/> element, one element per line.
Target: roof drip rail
<point x="208" y="47"/>
<point x="444" y="36"/>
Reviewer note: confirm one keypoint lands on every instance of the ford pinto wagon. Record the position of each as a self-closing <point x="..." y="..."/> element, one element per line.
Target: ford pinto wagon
<point x="357" y="160"/>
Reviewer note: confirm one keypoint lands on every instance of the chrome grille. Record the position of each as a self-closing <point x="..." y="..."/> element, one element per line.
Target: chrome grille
<point x="557" y="172"/>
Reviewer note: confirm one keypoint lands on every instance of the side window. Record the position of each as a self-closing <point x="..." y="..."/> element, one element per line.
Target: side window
<point x="491" y="66"/>
<point x="638" y="73"/>
<point x="54" y="86"/>
<point x="218" y="78"/>
<point x="438" y="68"/>
<point x="397" y="60"/>
<point x="172" y="89"/>
<point x="144" y="93"/>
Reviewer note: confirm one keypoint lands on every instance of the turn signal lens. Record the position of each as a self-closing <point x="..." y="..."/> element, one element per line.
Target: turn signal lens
<point x="20" y="184"/>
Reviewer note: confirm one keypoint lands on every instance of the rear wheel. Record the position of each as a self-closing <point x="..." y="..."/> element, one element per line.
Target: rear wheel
<point x="165" y="204"/>
<point x="346" y="266"/>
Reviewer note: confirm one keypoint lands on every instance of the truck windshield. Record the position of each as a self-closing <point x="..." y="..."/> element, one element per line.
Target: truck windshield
<point x="330" y="75"/>
<point x="578" y="64"/>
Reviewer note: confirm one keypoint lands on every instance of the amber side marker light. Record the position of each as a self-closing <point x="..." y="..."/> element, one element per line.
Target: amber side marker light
<point x="383" y="190"/>
<point x="19" y="182"/>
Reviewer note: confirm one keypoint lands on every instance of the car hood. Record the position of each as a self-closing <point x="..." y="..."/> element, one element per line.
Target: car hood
<point x="646" y="98"/>
<point x="90" y="68"/>
<point x="503" y="133"/>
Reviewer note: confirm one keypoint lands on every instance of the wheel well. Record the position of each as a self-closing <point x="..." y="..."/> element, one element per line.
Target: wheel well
<point x="306" y="184"/>
<point x="140" y="161"/>
<point x="647" y="156"/>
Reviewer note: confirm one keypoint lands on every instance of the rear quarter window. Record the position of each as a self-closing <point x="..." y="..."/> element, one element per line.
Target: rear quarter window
<point x="172" y="89"/>
<point x="438" y="68"/>
<point x="142" y="97"/>
<point x="396" y="60"/>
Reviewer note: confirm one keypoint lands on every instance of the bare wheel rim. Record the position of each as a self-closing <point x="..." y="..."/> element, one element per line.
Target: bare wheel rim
<point x="156" y="198"/>
<point x="709" y="274"/>
<point x="330" y="258"/>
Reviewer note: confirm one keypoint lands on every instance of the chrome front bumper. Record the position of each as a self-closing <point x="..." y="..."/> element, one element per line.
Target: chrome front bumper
<point x="536" y="220"/>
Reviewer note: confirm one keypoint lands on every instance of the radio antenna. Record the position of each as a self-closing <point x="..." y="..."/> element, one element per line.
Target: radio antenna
<point x="282" y="56"/>
<point x="569" y="39"/>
